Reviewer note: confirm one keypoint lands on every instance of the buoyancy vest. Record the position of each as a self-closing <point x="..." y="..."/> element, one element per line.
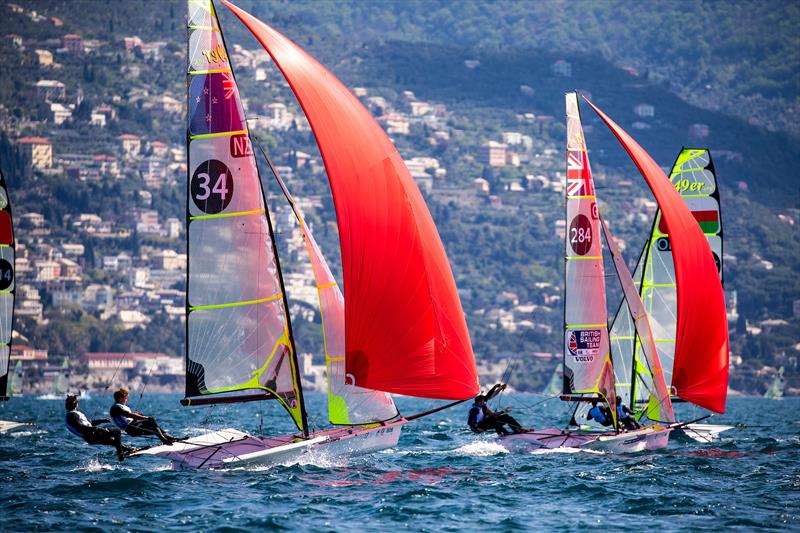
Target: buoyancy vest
<point x="118" y="415"/>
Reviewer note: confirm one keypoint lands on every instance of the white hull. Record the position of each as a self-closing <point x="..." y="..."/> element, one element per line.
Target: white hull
<point x="639" y="440"/>
<point x="648" y="438"/>
<point x="700" y="432"/>
<point x="230" y="448"/>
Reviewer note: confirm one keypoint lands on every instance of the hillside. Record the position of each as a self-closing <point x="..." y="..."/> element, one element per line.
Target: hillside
<point x="484" y="66"/>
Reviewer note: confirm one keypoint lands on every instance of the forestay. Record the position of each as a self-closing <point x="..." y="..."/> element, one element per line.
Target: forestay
<point x="405" y="330"/>
<point x="239" y="344"/>
<point x="587" y="358"/>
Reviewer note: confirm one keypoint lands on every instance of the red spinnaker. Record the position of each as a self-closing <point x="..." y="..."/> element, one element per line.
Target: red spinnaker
<point x="405" y="329"/>
<point x="700" y="373"/>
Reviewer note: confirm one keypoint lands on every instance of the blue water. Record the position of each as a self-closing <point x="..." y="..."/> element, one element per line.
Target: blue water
<point x="440" y="477"/>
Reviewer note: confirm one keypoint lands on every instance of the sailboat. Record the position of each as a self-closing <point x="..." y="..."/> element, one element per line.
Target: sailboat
<point x="60" y="386"/>
<point x="397" y="328"/>
<point x="775" y="390"/>
<point x="7" y="290"/>
<point x="589" y="369"/>
<point x="694" y="178"/>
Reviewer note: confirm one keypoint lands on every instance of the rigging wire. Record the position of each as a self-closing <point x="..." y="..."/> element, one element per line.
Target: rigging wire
<point x="114" y="376"/>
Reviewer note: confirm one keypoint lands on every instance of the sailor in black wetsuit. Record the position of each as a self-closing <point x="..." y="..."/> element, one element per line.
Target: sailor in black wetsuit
<point x="82" y="427"/>
<point x="133" y="423"/>
<point x="481" y="418"/>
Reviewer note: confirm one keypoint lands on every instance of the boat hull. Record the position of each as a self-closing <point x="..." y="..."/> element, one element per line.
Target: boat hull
<point x="230" y="448"/>
<point x="704" y="433"/>
<point x="648" y="438"/>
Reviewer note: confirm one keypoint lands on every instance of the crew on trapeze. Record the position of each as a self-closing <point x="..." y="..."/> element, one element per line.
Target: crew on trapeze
<point x="482" y="418"/>
<point x="133" y="423"/>
<point x="90" y="431"/>
<point x="600" y="414"/>
<point x="626" y="416"/>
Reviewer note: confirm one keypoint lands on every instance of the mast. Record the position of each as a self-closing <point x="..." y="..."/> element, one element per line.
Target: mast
<point x="240" y="345"/>
<point x="7" y="286"/>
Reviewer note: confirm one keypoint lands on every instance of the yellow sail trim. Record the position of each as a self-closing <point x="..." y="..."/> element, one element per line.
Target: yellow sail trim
<point x="226" y="215"/>
<point x="210" y="71"/>
<point x="220" y="134"/>
<point x="583" y="257"/>
<point x="236" y="304"/>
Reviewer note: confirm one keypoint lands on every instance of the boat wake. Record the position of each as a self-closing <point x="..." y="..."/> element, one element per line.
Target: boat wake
<point x="481" y="449"/>
<point x="549" y="451"/>
<point x="95" y="465"/>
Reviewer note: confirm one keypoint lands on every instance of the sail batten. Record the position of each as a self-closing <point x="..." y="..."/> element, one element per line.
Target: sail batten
<point x="405" y="330"/>
<point x="239" y="344"/>
<point x="701" y="334"/>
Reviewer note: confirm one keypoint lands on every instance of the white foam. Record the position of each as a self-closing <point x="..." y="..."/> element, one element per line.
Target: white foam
<point x="481" y="449"/>
<point x="94" y="465"/>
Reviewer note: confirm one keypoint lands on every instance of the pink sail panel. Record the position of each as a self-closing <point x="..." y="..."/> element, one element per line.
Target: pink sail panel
<point x="405" y="330"/>
<point x="700" y="373"/>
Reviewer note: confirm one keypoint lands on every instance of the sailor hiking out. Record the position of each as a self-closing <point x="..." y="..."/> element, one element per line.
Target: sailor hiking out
<point x="133" y="423"/>
<point x="90" y="431"/>
<point x="481" y="418"/>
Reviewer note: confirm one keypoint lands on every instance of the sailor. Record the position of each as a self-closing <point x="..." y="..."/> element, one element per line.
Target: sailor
<point x="82" y="427"/>
<point x="626" y="416"/>
<point x="601" y="414"/>
<point x="482" y="418"/>
<point x="133" y="423"/>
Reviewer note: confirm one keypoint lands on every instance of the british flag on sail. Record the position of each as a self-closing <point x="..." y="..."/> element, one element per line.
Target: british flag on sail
<point x="578" y="179"/>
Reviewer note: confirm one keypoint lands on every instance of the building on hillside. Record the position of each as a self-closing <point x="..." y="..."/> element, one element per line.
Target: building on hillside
<point x="14" y="40"/>
<point x="493" y="154"/>
<point x="396" y="124"/>
<point x="45" y="57"/>
<point x="562" y="68"/>
<point x="37" y="152"/>
<point x="645" y="110"/>
<point x="60" y="113"/>
<point x="131" y="145"/>
<point x="49" y="90"/>
<point x="22" y="352"/>
<point x="73" y="43"/>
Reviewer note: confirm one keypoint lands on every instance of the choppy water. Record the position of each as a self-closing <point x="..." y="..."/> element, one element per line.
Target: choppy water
<point x="440" y="477"/>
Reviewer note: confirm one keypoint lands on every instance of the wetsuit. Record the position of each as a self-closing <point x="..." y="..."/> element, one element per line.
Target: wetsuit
<point x="137" y="428"/>
<point x="600" y="415"/>
<point x="80" y="426"/>
<point x="482" y="419"/>
<point x="625" y="418"/>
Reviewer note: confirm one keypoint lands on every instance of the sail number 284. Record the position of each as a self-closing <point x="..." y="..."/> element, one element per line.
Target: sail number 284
<point x="580" y="235"/>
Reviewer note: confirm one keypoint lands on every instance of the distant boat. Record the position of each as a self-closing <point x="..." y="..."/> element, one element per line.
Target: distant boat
<point x="694" y="177"/>
<point x="701" y="345"/>
<point x="775" y="390"/>
<point x="60" y="387"/>
<point x="398" y="328"/>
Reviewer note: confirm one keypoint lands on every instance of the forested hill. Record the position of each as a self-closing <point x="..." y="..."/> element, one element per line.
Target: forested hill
<point x="486" y="71"/>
